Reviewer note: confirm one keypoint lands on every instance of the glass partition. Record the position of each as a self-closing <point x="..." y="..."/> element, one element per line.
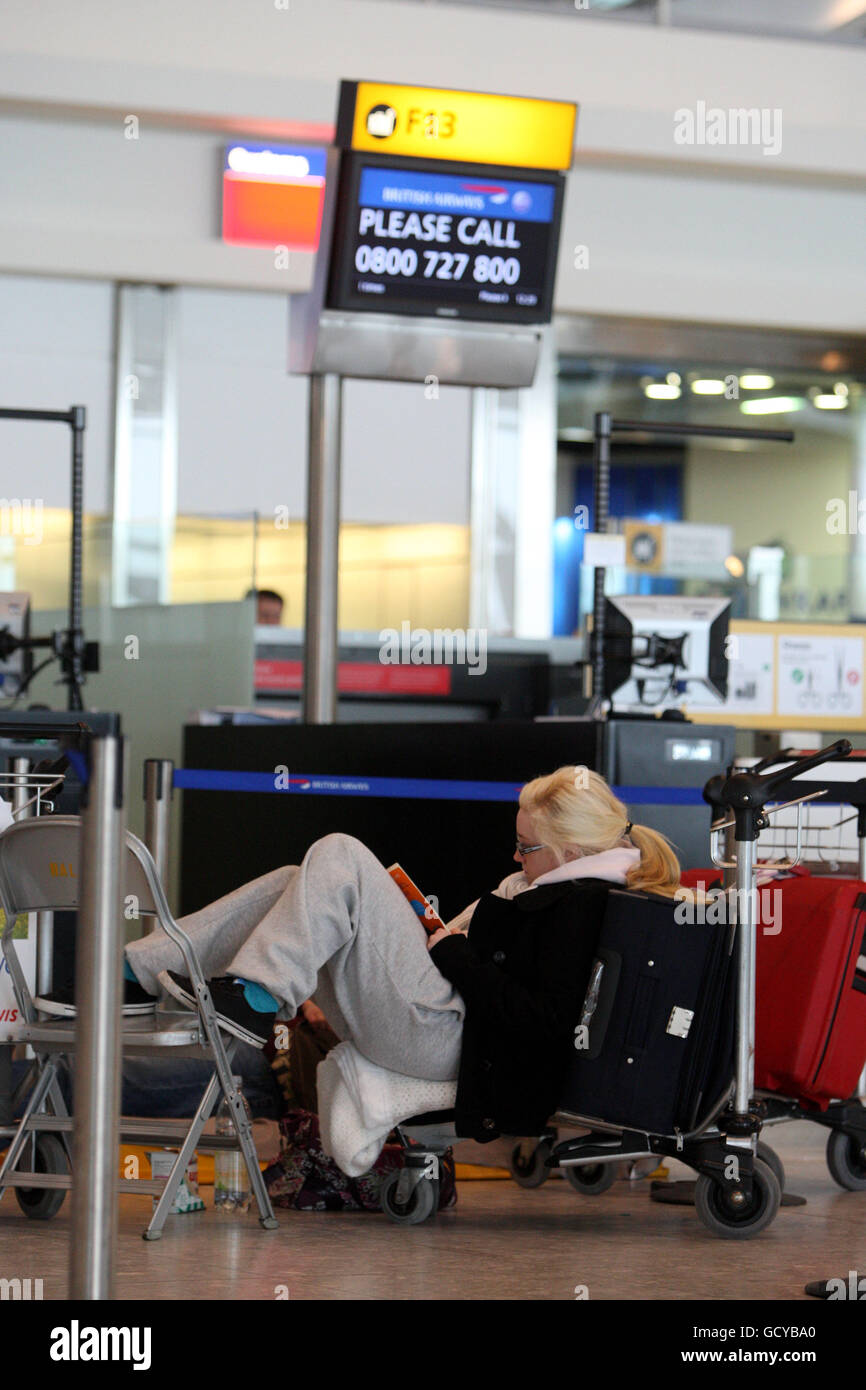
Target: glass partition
<point x="386" y="571"/>
<point x="780" y="527"/>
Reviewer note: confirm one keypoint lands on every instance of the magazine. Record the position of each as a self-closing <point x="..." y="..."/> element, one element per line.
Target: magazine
<point x="427" y="914"/>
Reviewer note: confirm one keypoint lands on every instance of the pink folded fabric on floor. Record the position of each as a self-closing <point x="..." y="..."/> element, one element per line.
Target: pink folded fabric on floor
<point x="360" y="1103"/>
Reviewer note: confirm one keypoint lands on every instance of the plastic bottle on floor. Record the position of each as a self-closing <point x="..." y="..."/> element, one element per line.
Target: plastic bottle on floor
<point x="231" y="1190"/>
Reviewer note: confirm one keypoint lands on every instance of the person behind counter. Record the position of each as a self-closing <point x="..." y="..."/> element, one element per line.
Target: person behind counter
<point x="269" y="606"/>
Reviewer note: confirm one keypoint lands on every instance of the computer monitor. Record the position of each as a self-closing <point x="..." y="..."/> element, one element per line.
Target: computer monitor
<point x="659" y="648"/>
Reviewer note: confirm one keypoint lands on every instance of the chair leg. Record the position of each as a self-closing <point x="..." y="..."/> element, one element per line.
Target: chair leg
<point x="239" y="1117"/>
<point x="193" y="1134"/>
<point x="213" y="1033"/>
<point x="257" y="1182"/>
<point x="43" y="1085"/>
<point x="58" y="1105"/>
<point x="212" y="1030"/>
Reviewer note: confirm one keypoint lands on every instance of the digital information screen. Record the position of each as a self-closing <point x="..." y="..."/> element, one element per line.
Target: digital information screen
<point x="455" y="245"/>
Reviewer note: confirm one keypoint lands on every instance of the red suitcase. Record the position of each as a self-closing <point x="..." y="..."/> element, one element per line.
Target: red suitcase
<point x="810" y="1021"/>
<point x="810" y="1017"/>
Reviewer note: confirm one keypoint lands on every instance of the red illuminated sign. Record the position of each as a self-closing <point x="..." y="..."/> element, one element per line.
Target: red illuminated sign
<point x="273" y="195"/>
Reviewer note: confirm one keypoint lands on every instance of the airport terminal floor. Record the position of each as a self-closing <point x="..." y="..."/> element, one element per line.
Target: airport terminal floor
<point x="499" y="1242"/>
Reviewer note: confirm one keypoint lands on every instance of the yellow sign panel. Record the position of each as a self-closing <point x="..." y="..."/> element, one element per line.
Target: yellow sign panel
<point x="470" y="127"/>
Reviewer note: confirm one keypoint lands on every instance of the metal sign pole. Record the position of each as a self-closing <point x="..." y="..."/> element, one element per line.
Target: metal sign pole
<point x="99" y="968"/>
<point x="75" y="650"/>
<point x="323" y="550"/>
<point x="601" y="512"/>
<point x="69" y="645"/>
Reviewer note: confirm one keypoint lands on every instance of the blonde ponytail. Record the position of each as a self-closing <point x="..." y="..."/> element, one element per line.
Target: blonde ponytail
<point x="575" y="812"/>
<point x="658" y="870"/>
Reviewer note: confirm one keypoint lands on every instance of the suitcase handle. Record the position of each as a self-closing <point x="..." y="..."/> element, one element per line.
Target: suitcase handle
<point x="591" y="1029"/>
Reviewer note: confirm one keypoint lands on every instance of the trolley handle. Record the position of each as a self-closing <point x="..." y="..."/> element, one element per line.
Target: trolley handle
<point x="712" y="791"/>
<point x="751" y="790"/>
<point x="840" y="749"/>
<point x="784" y="755"/>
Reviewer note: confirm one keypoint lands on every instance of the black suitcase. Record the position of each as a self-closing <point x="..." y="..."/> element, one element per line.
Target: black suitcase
<point x="654" y="1046"/>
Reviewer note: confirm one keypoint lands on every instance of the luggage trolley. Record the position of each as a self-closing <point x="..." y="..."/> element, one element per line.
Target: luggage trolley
<point x="780" y="1098"/>
<point x="31" y="853"/>
<point x="738" y="1192"/>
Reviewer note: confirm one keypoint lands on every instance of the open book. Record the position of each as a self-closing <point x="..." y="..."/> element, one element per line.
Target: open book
<point x="427" y="914"/>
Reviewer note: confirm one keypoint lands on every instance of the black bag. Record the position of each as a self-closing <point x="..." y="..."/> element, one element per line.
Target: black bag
<point x="653" y="1049"/>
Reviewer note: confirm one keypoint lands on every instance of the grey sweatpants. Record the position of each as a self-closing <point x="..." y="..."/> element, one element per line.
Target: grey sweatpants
<point x="335" y="928"/>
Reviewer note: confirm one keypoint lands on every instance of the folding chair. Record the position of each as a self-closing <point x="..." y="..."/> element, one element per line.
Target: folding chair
<point x="39" y="871"/>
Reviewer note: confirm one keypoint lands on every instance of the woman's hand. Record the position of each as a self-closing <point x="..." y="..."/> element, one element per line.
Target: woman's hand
<point x="437" y="937"/>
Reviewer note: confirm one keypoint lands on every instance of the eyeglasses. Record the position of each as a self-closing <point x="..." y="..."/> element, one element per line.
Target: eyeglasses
<point x="523" y="850"/>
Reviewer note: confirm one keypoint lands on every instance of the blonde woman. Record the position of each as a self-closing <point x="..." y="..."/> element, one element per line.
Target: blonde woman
<point x="570" y="826"/>
<point x="492" y="1000"/>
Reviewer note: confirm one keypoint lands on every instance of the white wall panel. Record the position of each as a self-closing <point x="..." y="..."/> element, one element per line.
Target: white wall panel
<point x="405" y="457"/>
<point x="55" y="351"/>
<point x="242" y="433"/>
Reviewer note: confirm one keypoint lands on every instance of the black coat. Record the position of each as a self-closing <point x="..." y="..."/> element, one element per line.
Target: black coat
<point x="523" y="973"/>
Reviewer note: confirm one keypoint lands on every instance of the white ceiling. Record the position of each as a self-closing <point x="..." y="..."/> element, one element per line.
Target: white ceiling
<point x="839" y="21"/>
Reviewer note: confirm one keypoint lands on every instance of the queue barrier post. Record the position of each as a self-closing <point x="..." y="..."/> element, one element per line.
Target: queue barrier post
<point x="99" y="966"/>
<point x="158" y="792"/>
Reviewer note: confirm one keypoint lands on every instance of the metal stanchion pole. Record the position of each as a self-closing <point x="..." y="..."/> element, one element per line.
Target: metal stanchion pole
<point x="746" y="946"/>
<point x="323" y="542"/>
<point x="20" y="769"/>
<point x="158" y="780"/>
<point x="158" y="788"/>
<point x="99" y="967"/>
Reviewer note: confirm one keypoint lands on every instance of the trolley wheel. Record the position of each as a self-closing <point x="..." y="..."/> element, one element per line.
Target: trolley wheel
<point x="531" y="1172"/>
<point x="591" y="1178"/>
<point x="41" y="1203"/>
<point x="423" y="1200"/>
<point x="772" y="1160"/>
<point x="738" y="1221"/>
<point x="846" y="1159"/>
